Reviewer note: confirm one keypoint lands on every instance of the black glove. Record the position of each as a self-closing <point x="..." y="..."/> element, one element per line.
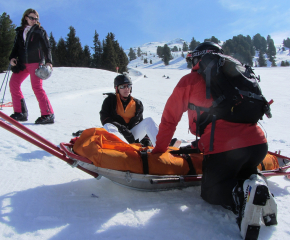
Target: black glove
<point x="146" y="142"/>
<point x="127" y="134"/>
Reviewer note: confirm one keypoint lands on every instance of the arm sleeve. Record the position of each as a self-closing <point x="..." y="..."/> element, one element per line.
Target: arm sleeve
<point x="14" y="52"/>
<point x="46" y="46"/>
<point x="175" y="106"/>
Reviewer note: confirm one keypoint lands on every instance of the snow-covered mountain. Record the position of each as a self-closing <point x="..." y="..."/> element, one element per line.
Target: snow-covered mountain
<point x="149" y="51"/>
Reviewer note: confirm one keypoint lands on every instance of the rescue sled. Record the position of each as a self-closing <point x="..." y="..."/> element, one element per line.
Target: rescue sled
<point x="138" y="181"/>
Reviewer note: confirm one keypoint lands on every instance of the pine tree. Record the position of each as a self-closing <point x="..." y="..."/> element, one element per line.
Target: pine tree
<point x="174" y="49"/>
<point x="53" y="47"/>
<point x="123" y="60"/>
<point x="61" y="53"/>
<point x="287" y="63"/>
<point x="262" y="60"/>
<point x="74" y="48"/>
<point x="139" y="52"/>
<point x="212" y="39"/>
<point x="7" y="35"/>
<point x="150" y="61"/>
<point x="86" y="57"/>
<point x="282" y="64"/>
<point x="145" y="60"/>
<point x="241" y="48"/>
<point x="160" y="51"/>
<point x="132" y="55"/>
<point x="260" y="43"/>
<point x="109" y="56"/>
<point x="271" y="51"/>
<point x="286" y="42"/>
<point x="97" y="52"/>
<point x="184" y="47"/>
<point x="166" y="54"/>
<point x="193" y="44"/>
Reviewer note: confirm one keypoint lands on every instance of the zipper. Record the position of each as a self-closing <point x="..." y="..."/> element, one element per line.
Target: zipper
<point x="27" y="40"/>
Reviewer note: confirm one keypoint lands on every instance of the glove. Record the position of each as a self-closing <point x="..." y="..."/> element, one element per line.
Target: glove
<point x="127" y="134"/>
<point x="146" y="142"/>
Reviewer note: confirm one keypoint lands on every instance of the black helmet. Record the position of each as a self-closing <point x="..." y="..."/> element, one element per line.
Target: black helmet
<point x="202" y="49"/>
<point x="122" y="79"/>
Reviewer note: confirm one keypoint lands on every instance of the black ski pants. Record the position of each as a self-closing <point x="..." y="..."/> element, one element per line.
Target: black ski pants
<point x="223" y="171"/>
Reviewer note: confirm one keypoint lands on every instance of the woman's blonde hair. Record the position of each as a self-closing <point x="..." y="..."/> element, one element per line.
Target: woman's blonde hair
<point x="24" y="23"/>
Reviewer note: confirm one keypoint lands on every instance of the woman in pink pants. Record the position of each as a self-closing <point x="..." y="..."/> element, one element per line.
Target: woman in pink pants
<point x="31" y="48"/>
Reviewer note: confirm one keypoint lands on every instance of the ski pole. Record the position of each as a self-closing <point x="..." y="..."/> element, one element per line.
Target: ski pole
<point x="7" y="72"/>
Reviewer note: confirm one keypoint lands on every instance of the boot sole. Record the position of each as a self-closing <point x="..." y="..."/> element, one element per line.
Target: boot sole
<point x="252" y="222"/>
<point x="270" y="212"/>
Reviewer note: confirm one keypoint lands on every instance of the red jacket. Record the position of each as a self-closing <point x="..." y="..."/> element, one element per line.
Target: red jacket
<point x="227" y="136"/>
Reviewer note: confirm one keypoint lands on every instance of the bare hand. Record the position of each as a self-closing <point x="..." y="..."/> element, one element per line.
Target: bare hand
<point x="13" y="62"/>
<point x="49" y="64"/>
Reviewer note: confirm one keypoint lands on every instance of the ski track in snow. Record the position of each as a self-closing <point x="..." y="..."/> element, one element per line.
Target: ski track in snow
<point x="41" y="197"/>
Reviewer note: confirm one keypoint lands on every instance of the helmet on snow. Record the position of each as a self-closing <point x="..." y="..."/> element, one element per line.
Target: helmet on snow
<point x="122" y="79"/>
<point x="43" y="72"/>
<point x="202" y="49"/>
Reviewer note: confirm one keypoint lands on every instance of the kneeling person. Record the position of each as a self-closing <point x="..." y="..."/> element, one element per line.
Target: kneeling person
<point x="121" y="113"/>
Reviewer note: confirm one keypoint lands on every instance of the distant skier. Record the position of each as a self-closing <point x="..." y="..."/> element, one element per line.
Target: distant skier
<point x="124" y="114"/>
<point x="230" y="177"/>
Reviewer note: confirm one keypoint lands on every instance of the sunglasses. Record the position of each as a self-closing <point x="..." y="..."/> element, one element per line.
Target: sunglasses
<point x="125" y="86"/>
<point x="32" y="18"/>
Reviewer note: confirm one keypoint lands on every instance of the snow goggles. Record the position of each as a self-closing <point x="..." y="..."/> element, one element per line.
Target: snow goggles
<point x="125" y="86"/>
<point x="32" y="18"/>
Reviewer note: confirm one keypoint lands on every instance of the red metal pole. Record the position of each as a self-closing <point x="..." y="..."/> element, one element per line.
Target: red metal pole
<point x="59" y="153"/>
<point x="30" y="132"/>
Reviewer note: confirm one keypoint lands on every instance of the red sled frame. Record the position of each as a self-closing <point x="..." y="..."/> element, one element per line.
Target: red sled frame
<point x="64" y="152"/>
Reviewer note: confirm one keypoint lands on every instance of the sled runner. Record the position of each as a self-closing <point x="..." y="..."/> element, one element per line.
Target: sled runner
<point x="139" y="181"/>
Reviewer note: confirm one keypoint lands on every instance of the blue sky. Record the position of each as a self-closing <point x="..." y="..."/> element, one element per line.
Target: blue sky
<point x="135" y="22"/>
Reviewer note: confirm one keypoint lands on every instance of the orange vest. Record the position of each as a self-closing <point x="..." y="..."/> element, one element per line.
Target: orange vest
<point x="130" y="110"/>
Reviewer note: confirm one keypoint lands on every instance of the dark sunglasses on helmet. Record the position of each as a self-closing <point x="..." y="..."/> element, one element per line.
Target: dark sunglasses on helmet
<point x="32" y="18"/>
<point x="125" y="86"/>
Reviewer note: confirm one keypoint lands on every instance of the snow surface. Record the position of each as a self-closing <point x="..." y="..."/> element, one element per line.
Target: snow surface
<point x="41" y="197"/>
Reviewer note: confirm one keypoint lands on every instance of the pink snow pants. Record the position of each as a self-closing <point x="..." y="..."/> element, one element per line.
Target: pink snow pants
<point x="36" y="83"/>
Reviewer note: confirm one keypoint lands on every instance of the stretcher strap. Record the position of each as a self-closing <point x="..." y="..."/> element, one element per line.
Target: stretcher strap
<point x="191" y="167"/>
<point x="144" y="157"/>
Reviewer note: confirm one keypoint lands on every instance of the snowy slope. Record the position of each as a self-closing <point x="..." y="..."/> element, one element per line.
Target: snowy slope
<point x="41" y="197"/>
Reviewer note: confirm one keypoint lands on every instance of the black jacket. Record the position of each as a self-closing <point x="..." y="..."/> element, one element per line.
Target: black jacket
<point x="36" y="48"/>
<point x="108" y="113"/>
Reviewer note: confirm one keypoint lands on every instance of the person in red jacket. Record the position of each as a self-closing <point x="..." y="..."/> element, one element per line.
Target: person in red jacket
<point x="230" y="168"/>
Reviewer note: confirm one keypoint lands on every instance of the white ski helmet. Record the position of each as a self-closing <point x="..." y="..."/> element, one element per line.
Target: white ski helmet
<point x="43" y="72"/>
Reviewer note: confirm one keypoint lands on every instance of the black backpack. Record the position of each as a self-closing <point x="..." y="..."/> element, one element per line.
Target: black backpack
<point x="235" y="90"/>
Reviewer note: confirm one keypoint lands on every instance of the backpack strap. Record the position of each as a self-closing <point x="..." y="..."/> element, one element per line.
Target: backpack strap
<point x="190" y="165"/>
<point x="198" y="109"/>
<point x="207" y="72"/>
<point x="250" y="94"/>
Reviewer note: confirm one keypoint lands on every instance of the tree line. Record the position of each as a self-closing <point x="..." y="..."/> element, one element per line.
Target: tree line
<point x="106" y="54"/>
<point x="243" y="48"/>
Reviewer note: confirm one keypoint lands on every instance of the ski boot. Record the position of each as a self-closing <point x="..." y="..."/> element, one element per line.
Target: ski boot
<point x="256" y="195"/>
<point x="23" y="115"/>
<point x="20" y="117"/>
<point x="45" y="119"/>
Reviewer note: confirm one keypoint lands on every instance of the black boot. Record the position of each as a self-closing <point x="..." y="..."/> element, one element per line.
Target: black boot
<point x="20" y="117"/>
<point x="45" y="119"/>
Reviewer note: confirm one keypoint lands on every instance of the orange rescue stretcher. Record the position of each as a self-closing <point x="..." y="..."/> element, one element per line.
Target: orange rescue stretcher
<point x="100" y="153"/>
